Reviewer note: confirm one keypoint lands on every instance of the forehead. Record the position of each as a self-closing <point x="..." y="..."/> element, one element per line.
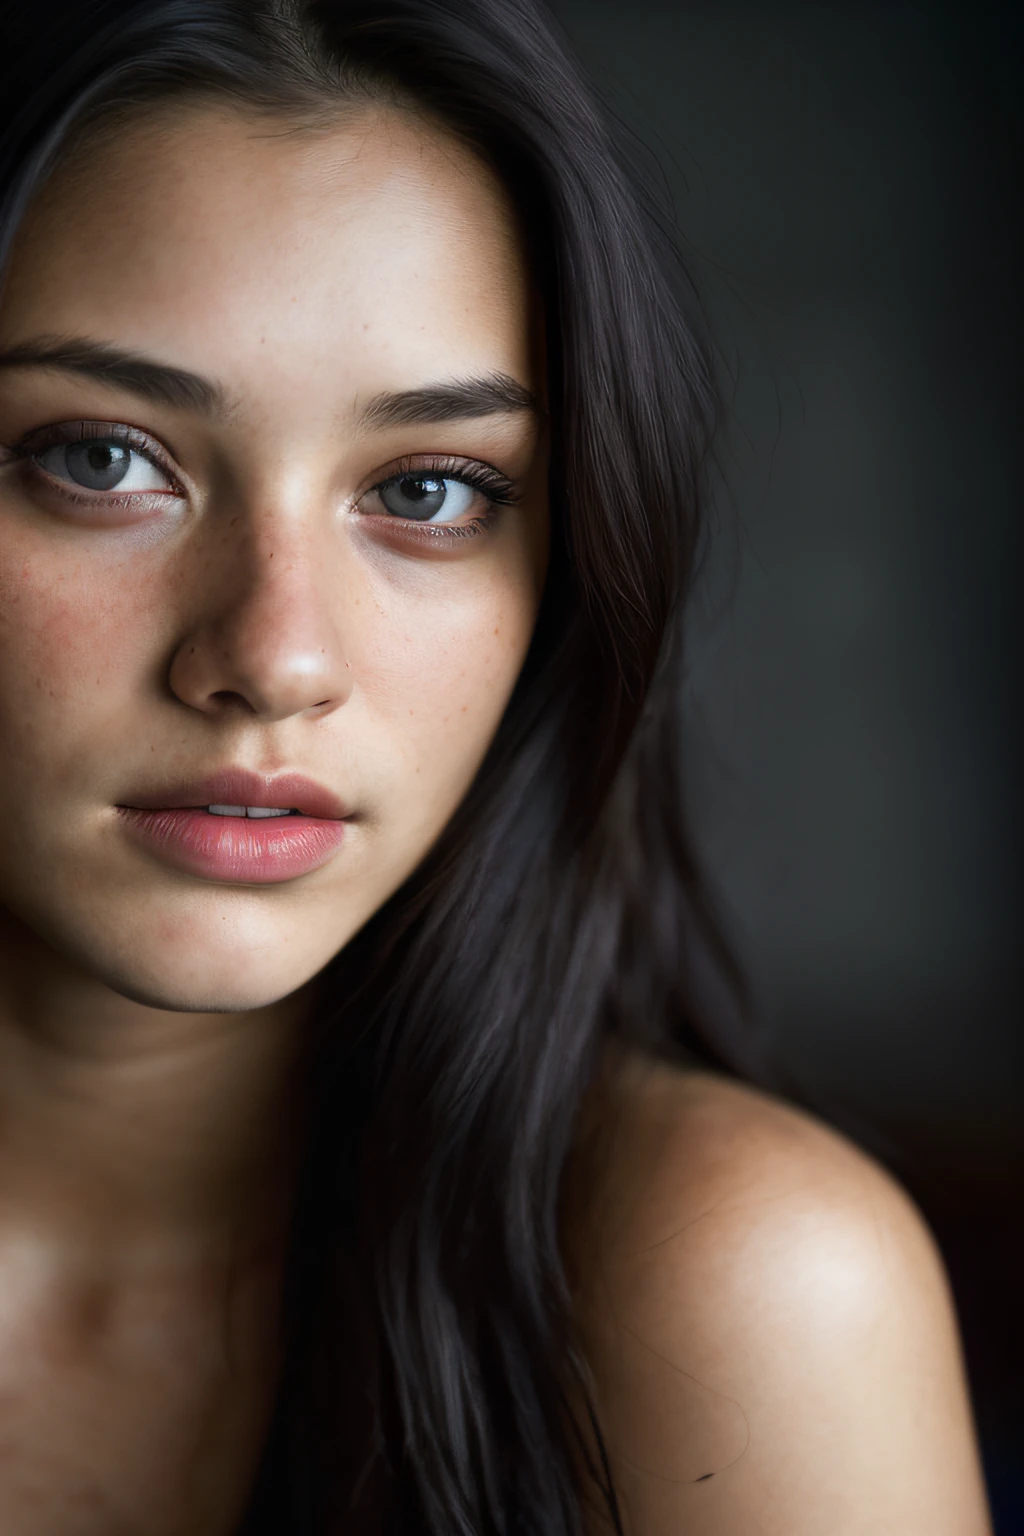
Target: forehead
<point x="380" y="243"/>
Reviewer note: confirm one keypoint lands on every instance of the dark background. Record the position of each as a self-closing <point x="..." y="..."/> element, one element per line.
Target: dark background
<point x="845" y="181"/>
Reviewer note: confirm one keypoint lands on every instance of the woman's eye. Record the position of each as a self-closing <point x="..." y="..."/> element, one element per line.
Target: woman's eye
<point x="427" y="498"/>
<point x="102" y="464"/>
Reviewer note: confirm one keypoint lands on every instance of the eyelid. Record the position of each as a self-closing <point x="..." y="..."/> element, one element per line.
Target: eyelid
<point x="40" y="438"/>
<point x="474" y="472"/>
<point x="495" y="489"/>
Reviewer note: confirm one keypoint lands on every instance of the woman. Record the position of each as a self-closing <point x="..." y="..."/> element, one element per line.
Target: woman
<point x="362" y="1167"/>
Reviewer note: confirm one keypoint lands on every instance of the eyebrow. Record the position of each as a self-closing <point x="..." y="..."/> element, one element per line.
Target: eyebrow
<point x="97" y="360"/>
<point x="455" y="400"/>
<point x="461" y="400"/>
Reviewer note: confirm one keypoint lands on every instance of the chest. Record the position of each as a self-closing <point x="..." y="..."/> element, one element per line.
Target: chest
<point x="136" y="1418"/>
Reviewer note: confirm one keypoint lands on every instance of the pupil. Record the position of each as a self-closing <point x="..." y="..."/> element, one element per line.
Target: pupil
<point x="419" y="489"/>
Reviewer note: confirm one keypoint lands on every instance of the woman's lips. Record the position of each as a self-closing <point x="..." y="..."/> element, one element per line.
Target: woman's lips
<point x="240" y="786"/>
<point x="235" y="848"/>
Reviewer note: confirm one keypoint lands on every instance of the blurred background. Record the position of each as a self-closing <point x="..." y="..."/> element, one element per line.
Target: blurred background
<point x="845" y="183"/>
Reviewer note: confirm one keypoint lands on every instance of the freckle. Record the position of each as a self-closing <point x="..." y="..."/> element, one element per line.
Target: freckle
<point x="495" y="631"/>
<point x="464" y="708"/>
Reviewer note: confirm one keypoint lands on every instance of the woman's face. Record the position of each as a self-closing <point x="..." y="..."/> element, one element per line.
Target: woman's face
<point x="324" y="560"/>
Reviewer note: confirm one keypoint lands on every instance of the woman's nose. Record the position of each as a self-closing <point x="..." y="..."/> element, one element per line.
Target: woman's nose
<point x="265" y="629"/>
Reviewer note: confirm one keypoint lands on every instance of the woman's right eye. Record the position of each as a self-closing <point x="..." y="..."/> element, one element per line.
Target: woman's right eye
<point x="102" y="464"/>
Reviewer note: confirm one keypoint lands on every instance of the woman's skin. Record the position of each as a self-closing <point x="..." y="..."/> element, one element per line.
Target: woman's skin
<point x="757" y="1299"/>
<point x="273" y="616"/>
<point x="773" y="1341"/>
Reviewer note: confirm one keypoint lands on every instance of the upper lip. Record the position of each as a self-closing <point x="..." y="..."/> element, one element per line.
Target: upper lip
<point x="240" y="786"/>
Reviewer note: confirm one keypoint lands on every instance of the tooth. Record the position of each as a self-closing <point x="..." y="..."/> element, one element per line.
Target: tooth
<point x="226" y="810"/>
<point x="256" y="811"/>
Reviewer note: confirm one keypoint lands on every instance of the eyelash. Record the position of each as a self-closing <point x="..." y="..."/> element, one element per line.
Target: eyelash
<point x="496" y="487"/>
<point x="40" y="439"/>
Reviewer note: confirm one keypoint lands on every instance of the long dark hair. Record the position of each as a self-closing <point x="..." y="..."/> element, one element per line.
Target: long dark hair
<point x="432" y="1357"/>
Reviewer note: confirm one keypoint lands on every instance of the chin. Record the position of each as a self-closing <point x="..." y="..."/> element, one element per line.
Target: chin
<point x="206" y="986"/>
<point x="202" y="960"/>
<point x="209" y="980"/>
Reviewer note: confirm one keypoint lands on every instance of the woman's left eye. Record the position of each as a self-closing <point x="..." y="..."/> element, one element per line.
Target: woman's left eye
<point x="427" y="498"/>
<point x="102" y="464"/>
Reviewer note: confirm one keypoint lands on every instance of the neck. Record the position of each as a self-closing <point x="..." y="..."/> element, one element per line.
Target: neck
<point x="127" y="1129"/>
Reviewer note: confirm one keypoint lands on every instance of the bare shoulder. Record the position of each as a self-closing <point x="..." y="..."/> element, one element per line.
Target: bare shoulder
<point x="667" y="1143"/>
<point x="767" y="1319"/>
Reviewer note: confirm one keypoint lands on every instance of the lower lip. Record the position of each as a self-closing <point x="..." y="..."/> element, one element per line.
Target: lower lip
<point x="242" y="849"/>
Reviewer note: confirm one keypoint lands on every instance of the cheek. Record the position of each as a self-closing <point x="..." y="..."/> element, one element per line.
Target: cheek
<point x="435" y="673"/>
<point x="71" y="638"/>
